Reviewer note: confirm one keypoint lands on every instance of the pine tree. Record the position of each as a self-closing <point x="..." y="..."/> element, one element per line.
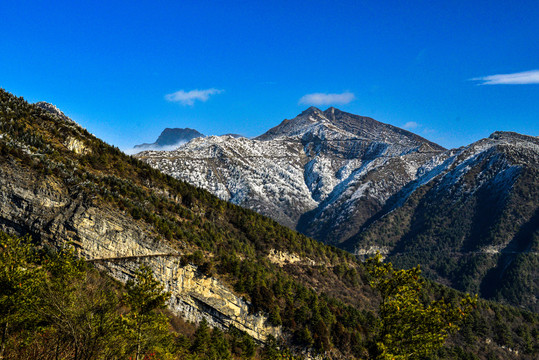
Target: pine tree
<point x="409" y="328"/>
<point x="202" y="338"/>
<point x="146" y="326"/>
<point x="20" y="279"/>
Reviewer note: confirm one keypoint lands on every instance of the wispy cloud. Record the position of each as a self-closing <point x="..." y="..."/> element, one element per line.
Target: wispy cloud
<point x="146" y="147"/>
<point x="520" y="78"/>
<point x="327" y="99"/>
<point x="189" y="97"/>
<point x="410" y="125"/>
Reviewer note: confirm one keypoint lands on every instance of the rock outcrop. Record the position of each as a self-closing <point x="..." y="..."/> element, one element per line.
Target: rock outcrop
<point x="58" y="216"/>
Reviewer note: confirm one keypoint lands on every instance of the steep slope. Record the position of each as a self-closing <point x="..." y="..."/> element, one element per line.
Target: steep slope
<point x="472" y="221"/>
<point x="231" y="266"/>
<point x="300" y="171"/>
<point x="263" y="176"/>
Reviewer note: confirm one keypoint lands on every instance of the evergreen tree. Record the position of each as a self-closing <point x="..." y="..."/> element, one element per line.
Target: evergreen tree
<point x="220" y="347"/>
<point x="202" y="338"/>
<point x="146" y="326"/>
<point x="408" y="327"/>
<point x="79" y="309"/>
<point x="20" y="279"/>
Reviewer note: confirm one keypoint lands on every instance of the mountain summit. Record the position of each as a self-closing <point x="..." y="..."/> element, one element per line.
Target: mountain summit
<point x="334" y="124"/>
<point x="52" y="109"/>
<point x="368" y="187"/>
<point x="299" y="165"/>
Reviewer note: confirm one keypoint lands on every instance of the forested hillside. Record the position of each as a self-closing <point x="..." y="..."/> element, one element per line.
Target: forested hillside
<point x="58" y="183"/>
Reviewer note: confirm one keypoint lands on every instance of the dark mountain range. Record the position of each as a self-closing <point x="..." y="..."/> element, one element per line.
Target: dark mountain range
<point x="170" y="138"/>
<point x="349" y="180"/>
<point x="229" y="265"/>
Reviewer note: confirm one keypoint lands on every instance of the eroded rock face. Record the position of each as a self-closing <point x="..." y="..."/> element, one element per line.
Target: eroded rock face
<point x="58" y="216"/>
<point x="195" y="296"/>
<point x="76" y="146"/>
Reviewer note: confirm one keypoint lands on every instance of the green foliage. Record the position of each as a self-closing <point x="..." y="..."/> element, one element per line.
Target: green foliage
<point x="409" y="327"/>
<point x="20" y="281"/>
<point x="448" y="237"/>
<point x="78" y="311"/>
<point x="55" y="306"/>
<point x="143" y="324"/>
<point x="327" y="306"/>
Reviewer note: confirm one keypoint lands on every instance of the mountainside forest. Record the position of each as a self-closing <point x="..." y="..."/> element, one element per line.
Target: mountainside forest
<point x="260" y="283"/>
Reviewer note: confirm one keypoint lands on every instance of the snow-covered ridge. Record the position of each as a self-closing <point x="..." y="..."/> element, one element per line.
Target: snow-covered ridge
<point x="496" y="160"/>
<point x="266" y="175"/>
<point x="327" y="173"/>
<point x="312" y="164"/>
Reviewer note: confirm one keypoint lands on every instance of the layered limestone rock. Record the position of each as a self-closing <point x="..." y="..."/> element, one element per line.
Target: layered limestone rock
<point x="56" y="215"/>
<point x="195" y="296"/>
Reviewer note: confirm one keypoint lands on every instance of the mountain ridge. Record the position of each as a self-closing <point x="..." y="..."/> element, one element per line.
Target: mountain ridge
<point x="312" y="174"/>
<point x="362" y="126"/>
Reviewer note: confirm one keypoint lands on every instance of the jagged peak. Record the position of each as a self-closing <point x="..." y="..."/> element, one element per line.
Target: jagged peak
<point x="332" y="110"/>
<point x="52" y="109"/>
<point x="511" y="135"/>
<point x="335" y="123"/>
<point x="310" y="111"/>
<point x="170" y="138"/>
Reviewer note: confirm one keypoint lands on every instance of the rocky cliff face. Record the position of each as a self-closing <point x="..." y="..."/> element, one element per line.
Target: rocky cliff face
<point x="59" y="216"/>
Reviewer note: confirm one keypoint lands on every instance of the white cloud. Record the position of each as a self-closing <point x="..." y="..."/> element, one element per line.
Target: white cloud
<point x="136" y="150"/>
<point x="189" y="97"/>
<point x="410" y="125"/>
<point x="327" y="99"/>
<point x="525" y="77"/>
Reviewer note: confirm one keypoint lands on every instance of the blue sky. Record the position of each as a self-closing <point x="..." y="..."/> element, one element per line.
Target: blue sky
<point x="125" y="70"/>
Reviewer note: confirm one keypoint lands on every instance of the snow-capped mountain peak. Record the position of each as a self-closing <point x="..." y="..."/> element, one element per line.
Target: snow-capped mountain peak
<point x="305" y="164"/>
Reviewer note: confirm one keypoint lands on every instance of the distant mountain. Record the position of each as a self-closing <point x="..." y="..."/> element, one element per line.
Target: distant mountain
<point x="367" y="186"/>
<point x="170" y="138"/>
<point x="334" y="124"/>
<point x="233" y="135"/>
